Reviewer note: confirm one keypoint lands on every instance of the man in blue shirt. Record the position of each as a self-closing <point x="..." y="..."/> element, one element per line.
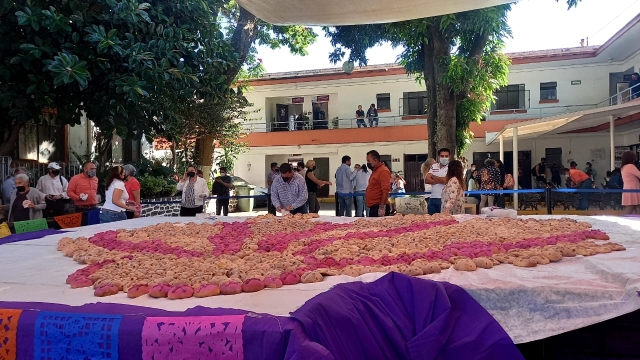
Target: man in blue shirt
<point x="344" y="186"/>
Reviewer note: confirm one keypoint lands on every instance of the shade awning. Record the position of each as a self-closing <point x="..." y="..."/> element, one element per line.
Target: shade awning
<point x="356" y="12"/>
<point x="566" y="122"/>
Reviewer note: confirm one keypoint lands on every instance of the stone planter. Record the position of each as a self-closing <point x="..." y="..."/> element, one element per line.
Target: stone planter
<point x="411" y="205"/>
<point x="172" y="209"/>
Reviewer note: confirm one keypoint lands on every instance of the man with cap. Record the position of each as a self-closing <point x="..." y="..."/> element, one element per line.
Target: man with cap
<point x="54" y="186"/>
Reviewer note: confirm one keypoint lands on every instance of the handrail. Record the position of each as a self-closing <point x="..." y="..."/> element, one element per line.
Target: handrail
<point x="330" y="124"/>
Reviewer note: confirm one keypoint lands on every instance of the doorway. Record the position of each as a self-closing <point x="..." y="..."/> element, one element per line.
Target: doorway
<point x="320" y="115"/>
<point x="412" y="174"/>
<point x="282" y="118"/>
<point x="623" y="93"/>
<point x="322" y="173"/>
<point x="387" y="159"/>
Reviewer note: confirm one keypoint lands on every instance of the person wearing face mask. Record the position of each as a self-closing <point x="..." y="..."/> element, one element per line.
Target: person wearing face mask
<point x="83" y="188"/>
<point x="26" y="202"/>
<point x="437" y="178"/>
<point x="313" y="184"/>
<point x="289" y="192"/>
<point x="54" y="186"/>
<point x="116" y="197"/>
<point x="221" y="188"/>
<point x="360" y="186"/>
<point x="9" y="185"/>
<point x="194" y="190"/>
<point x="275" y="171"/>
<point x="377" y="193"/>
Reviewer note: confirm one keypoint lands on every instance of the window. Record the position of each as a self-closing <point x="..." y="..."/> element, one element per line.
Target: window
<point x="42" y="142"/>
<point x="414" y="103"/>
<point x="549" y="91"/>
<point x="511" y="97"/>
<point x="384" y="101"/>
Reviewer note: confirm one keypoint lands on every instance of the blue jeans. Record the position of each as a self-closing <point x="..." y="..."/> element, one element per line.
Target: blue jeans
<point x="360" y="206"/>
<point x="584" y="197"/>
<point x="373" y="121"/>
<point x="434" y="206"/>
<point x="344" y="205"/>
<point x="301" y="210"/>
<point x="361" y="123"/>
<point x="107" y="216"/>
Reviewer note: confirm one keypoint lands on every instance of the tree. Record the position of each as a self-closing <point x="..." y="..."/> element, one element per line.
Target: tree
<point x="458" y="56"/>
<point x="245" y="32"/>
<point x="131" y="66"/>
<point x="231" y="145"/>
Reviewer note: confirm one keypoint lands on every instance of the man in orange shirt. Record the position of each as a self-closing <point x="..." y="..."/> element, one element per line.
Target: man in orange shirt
<point x="377" y="193"/>
<point x="83" y="188"/>
<point x="580" y="180"/>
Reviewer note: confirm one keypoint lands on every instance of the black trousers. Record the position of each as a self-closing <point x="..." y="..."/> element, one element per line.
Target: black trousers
<point x="222" y="206"/>
<point x="270" y="208"/>
<point x="301" y="210"/>
<point x="192" y="212"/>
<point x="373" y="211"/>
<point x="54" y="208"/>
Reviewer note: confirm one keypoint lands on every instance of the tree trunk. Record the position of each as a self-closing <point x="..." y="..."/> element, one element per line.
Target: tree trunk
<point x="206" y="147"/>
<point x="244" y="35"/>
<point x="7" y="147"/>
<point x="430" y="84"/>
<point x="445" y="100"/>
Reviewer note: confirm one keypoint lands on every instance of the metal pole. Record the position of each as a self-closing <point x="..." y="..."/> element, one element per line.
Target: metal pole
<point x="501" y="149"/>
<point x="515" y="167"/>
<point x="337" y="204"/>
<point x="612" y="130"/>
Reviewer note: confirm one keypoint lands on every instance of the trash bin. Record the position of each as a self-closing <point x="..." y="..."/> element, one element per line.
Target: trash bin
<point x="245" y="204"/>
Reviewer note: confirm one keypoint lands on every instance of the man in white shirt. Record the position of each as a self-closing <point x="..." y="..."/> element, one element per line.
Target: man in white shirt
<point x="54" y="186"/>
<point x="437" y="178"/>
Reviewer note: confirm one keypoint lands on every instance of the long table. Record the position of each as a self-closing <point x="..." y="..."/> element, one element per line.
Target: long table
<point x="530" y="304"/>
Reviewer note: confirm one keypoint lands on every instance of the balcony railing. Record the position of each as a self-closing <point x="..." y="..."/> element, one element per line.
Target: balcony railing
<point x="330" y="124"/>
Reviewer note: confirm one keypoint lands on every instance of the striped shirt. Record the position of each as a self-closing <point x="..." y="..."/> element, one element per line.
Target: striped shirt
<point x="293" y="193"/>
<point x="189" y="198"/>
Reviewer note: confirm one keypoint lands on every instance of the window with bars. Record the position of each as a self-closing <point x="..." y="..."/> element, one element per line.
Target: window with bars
<point x="383" y="101"/>
<point x="41" y="142"/>
<point x="511" y="97"/>
<point x="414" y="103"/>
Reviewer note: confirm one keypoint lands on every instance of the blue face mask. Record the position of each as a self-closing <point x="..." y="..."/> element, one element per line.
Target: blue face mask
<point x="444" y="161"/>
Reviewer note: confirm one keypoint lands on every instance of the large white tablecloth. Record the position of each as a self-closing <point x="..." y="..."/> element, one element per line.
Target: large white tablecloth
<point x="530" y="304"/>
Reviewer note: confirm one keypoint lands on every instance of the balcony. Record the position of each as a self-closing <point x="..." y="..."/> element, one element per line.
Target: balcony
<point x="332" y="124"/>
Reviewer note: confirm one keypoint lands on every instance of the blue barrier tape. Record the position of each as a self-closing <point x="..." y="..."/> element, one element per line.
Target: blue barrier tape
<point x="477" y="192"/>
<point x="574" y="190"/>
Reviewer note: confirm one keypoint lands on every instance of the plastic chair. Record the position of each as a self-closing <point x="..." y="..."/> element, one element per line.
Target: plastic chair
<point x="30" y="225"/>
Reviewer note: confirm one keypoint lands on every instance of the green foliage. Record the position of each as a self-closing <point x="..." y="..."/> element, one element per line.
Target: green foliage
<point x="146" y="167"/>
<point x="131" y="66"/>
<point x="156" y="186"/>
<point x="457" y="56"/>
<point x="231" y="145"/>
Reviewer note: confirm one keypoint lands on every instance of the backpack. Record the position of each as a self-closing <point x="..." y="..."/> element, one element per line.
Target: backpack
<point x="509" y="181"/>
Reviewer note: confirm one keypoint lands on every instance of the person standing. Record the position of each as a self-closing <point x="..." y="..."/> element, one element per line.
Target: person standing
<point x="583" y="181"/>
<point x="289" y="192"/>
<point x="589" y="170"/>
<point x="9" y="185"/>
<point x="372" y="115"/>
<point x="453" y="193"/>
<point x="377" y="193"/>
<point x="634" y="85"/>
<point x="26" y="203"/>
<point x="194" y="190"/>
<point x="83" y="188"/>
<point x="54" y="186"/>
<point x="437" y="178"/>
<point x="503" y="180"/>
<point x="115" y="198"/>
<point x="313" y="184"/>
<point x="344" y="186"/>
<point x="360" y="187"/>
<point x="132" y="185"/>
<point x="489" y="179"/>
<point x="360" y="117"/>
<point x="630" y="181"/>
<point x="270" y="177"/>
<point x="540" y="171"/>
<point x="222" y="189"/>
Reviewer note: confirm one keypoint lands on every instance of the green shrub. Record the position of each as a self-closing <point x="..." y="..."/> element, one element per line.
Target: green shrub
<point x="156" y="186"/>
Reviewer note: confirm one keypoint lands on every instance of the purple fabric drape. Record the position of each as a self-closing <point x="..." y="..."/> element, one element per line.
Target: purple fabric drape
<point x="29" y="236"/>
<point x="400" y="317"/>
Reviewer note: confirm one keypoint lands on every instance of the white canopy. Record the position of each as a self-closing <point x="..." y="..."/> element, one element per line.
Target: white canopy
<point x="356" y="12"/>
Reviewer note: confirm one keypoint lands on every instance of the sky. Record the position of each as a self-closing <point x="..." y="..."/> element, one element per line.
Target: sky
<point x="535" y="24"/>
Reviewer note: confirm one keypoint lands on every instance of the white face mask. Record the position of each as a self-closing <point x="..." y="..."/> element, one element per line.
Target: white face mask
<point x="444" y="161"/>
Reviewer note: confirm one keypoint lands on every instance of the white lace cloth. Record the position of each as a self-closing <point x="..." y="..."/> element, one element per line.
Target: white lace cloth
<point x="530" y="303"/>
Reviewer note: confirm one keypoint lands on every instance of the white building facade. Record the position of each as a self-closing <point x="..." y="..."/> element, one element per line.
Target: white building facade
<point x="311" y="114"/>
